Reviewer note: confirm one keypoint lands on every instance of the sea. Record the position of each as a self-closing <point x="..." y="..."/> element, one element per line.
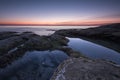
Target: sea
<point x="40" y="30"/>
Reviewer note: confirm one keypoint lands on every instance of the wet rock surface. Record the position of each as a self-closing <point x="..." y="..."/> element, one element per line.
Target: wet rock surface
<point x="109" y="32"/>
<point x="16" y="45"/>
<point x="86" y="69"/>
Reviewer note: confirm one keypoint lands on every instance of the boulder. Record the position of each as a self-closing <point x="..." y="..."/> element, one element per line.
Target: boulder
<point x="86" y="69"/>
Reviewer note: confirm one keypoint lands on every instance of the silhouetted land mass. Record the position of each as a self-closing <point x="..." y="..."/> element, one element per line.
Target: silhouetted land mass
<point x="106" y="35"/>
<point x="109" y="32"/>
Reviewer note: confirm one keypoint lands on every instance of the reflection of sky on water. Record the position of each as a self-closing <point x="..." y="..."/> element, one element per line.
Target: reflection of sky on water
<point x="33" y="66"/>
<point x="93" y="50"/>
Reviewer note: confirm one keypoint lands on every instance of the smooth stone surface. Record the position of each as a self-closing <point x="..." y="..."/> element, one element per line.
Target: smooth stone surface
<point x="86" y="69"/>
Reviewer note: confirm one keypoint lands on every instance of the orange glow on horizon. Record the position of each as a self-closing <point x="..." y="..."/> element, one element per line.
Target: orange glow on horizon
<point x="80" y="22"/>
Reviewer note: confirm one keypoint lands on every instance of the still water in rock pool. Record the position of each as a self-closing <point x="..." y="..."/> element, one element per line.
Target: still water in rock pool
<point x="35" y="65"/>
<point x="93" y="50"/>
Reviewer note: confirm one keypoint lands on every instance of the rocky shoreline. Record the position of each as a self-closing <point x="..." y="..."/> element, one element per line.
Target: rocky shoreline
<point x="109" y="32"/>
<point x="105" y="35"/>
<point x="85" y="68"/>
<point x="14" y="45"/>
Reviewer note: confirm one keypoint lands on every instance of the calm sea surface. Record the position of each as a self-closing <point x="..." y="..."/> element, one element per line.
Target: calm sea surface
<point x="93" y="50"/>
<point x="41" y="30"/>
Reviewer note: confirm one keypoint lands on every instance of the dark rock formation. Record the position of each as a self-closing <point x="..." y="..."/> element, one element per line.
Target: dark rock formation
<point x="86" y="69"/>
<point x="13" y="41"/>
<point x="15" y="46"/>
<point x="109" y="32"/>
<point x="4" y="35"/>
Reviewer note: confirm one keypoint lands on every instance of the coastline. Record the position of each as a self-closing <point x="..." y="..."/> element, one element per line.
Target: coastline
<point x="14" y="45"/>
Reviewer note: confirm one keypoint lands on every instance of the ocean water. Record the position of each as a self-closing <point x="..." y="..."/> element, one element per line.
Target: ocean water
<point x="41" y="30"/>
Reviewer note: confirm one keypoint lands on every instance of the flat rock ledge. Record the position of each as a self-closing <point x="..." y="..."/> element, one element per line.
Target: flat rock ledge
<point x="86" y="69"/>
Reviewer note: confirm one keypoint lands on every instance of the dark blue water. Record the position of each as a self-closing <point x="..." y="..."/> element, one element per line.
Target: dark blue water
<point x="93" y="50"/>
<point x="35" y="65"/>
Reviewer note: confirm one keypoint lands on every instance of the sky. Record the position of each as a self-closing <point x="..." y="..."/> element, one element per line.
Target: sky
<point x="59" y="12"/>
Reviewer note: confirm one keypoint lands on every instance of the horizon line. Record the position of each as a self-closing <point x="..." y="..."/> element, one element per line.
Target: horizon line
<point x="54" y="24"/>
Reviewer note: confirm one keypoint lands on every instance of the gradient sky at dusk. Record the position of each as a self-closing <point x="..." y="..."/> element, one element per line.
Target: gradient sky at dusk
<point x="59" y="12"/>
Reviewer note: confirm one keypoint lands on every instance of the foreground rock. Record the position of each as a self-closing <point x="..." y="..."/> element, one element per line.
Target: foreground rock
<point x="109" y="32"/>
<point x="86" y="69"/>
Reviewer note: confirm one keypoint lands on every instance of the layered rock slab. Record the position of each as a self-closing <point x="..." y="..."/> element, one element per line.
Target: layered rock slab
<point x="86" y="69"/>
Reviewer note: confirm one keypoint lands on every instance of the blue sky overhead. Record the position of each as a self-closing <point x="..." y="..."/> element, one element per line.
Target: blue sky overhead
<point x="59" y="11"/>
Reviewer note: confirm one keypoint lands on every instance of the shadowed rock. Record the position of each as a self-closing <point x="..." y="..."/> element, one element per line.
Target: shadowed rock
<point x="109" y="32"/>
<point x="12" y="42"/>
<point x="4" y="35"/>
